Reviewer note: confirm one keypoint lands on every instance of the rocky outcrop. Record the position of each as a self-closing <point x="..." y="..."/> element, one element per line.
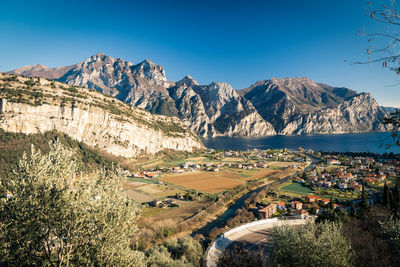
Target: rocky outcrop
<point x="88" y="116"/>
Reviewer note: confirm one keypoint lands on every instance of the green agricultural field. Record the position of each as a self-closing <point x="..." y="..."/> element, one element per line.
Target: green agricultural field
<point x="297" y="188"/>
<point x="142" y="180"/>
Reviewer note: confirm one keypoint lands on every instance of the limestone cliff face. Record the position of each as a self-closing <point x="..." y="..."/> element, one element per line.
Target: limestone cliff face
<point x="90" y="117"/>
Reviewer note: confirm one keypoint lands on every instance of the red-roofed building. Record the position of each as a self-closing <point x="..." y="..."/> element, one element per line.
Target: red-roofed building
<point x="268" y="211"/>
<point x="301" y="213"/>
<point x="325" y="201"/>
<point x="296" y="205"/>
<point x="152" y="174"/>
<point x="312" y="199"/>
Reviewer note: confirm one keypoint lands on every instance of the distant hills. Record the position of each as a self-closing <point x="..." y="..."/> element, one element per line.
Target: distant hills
<point x="275" y="106"/>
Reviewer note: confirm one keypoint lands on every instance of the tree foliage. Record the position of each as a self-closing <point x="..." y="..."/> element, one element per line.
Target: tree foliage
<point x="53" y="216"/>
<point x="391" y="230"/>
<point x="241" y="257"/>
<point x="176" y="252"/>
<point x="310" y="245"/>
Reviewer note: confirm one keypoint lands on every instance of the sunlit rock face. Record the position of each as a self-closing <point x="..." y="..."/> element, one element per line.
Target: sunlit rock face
<point x="91" y="117"/>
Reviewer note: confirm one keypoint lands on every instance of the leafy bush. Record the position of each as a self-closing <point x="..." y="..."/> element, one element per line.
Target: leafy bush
<point x="310" y="245"/>
<point x="176" y="252"/>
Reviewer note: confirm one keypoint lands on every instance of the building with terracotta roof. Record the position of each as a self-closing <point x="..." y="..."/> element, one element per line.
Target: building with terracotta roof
<point x="268" y="211"/>
<point x="297" y="205"/>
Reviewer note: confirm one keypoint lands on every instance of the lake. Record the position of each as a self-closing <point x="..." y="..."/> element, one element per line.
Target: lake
<point x="363" y="142"/>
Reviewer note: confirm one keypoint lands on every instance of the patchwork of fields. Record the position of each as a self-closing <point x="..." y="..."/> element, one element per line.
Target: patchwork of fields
<point x="203" y="182"/>
<point x="168" y="185"/>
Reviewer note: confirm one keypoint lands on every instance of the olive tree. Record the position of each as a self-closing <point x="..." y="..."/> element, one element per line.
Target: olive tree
<point x="52" y="216"/>
<point x="391" y="230"/>
<point x="310" y="245"/>
<point x="176" y="252"/>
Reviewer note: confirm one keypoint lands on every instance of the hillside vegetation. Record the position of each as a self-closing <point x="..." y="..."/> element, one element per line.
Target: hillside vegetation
<point x="13" y="145"/>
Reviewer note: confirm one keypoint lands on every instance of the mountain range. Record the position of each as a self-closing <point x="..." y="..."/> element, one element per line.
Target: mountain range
<point x="268" y="107"/>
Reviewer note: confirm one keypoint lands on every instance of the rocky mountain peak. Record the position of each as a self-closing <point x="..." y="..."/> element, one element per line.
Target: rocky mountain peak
<point x="188" y="80"/>
<point x="223" y="90"/>
<point x="37" y="66"/>
<point x="292" y="82"/>
<point x="151" y="71"/>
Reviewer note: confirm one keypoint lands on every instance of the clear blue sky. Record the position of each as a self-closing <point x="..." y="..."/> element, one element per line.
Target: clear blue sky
<point x="238" y="42"/>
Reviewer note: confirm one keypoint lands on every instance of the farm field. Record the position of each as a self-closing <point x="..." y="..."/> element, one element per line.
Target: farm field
<point x="202" y="181"/>
<point x="233" y="160"/>
<point x="142" y="180"/>
<point x="261" y="173"/>
<point x="297" y="188"/>
<point x="146" y="192"/>
<point x="160" y="191"/>
<point x="282" y="164"/>
<point x="139" y="196"/>
<point x="186" y="210"/>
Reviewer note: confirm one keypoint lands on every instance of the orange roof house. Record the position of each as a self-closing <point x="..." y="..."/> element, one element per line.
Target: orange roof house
<point x="268" y="211"/>
<point x="312" y="198"/>
<point x="296" y="205"/>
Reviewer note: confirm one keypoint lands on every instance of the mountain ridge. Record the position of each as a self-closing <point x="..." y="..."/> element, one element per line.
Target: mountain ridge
<point x="267" y="107"/>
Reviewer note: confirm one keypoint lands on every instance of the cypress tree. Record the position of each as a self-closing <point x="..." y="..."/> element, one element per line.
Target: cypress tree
<point x="331" y="206"/>
<point x="364" y="204"/>
<point x="392" y="203"/>
<point x="352" y="210"/>
<point x="386" y="200"/>
<point x="396" y="191"/>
